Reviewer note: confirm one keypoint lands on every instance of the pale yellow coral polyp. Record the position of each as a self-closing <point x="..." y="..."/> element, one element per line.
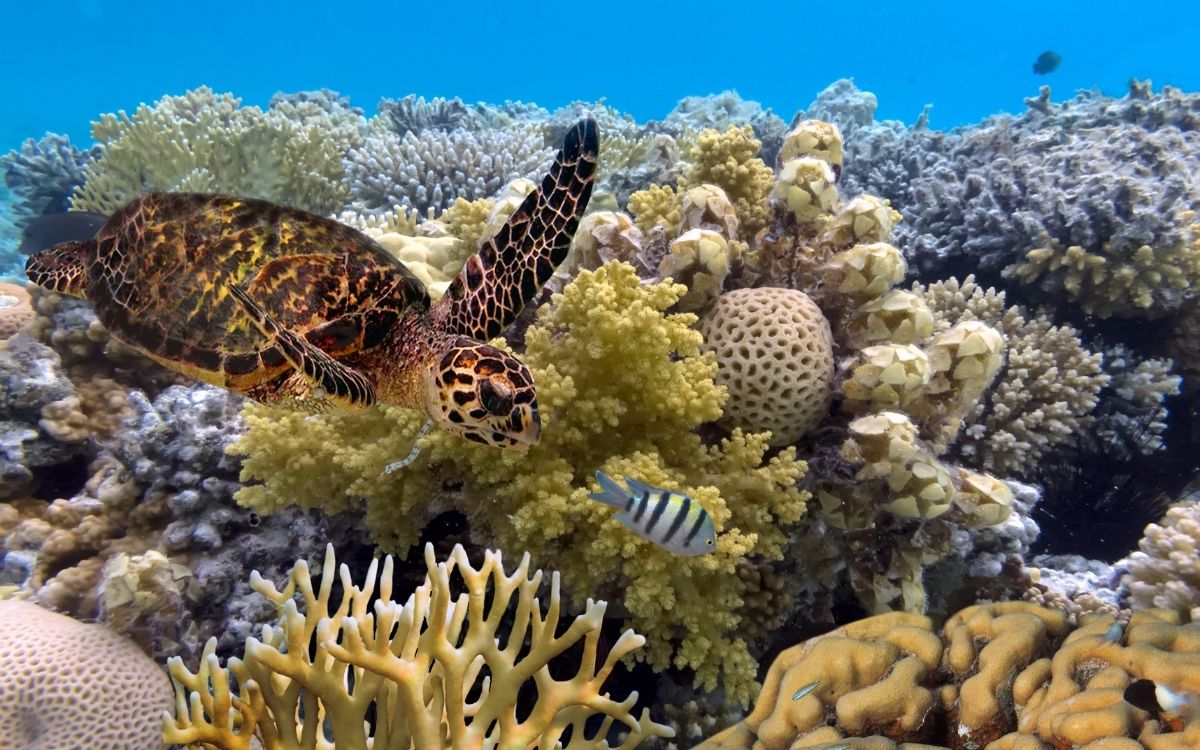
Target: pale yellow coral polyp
<point x="420" y="665"/>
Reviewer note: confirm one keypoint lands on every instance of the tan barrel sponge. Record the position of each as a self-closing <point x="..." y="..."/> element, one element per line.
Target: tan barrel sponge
<point x="67" y="684"/>
<point x="775" y="355"/>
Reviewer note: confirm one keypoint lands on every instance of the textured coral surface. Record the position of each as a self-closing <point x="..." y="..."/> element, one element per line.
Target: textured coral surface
<point x="1008" y="676"/>
<point x="64" y="684"/>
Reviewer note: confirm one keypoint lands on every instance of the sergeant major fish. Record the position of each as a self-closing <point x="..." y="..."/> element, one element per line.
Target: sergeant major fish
<point x="674" y="522"/>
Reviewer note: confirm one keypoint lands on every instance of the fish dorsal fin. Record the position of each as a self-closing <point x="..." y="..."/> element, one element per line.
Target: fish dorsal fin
<point x="640" y="488"/>
<point x="510" y="268"/>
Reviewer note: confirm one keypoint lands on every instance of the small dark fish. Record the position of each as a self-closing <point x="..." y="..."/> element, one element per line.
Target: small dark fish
<point x="1047" y="62"/>
<point x="1162" y="703"/>
<point x="44" y="232"/>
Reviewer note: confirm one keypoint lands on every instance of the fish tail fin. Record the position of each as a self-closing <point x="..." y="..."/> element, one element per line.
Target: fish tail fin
<point x="62" y="268"/>
<point x="611" y="492"/>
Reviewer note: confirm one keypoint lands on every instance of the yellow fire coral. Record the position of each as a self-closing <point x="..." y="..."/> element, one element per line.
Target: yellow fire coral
<point x="439" y="670"/>
<point x="622" y="385"/>
<point x="1002" y="676"/>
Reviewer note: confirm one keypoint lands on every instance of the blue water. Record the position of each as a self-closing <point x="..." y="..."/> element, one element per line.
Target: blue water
<point x="66" y="61"/>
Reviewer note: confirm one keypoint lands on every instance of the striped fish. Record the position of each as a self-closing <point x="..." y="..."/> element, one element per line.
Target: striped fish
<point x="674" y="522"/>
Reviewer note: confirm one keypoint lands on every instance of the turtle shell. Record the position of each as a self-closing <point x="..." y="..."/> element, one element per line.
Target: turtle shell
<point x="164" y="265"/>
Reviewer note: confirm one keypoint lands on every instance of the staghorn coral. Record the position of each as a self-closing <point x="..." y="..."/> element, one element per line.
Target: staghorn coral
<point x="67" y="684"/>
<point x="1009" y="676"/>
<point x="621" y="386"/>
<point x="1165" y="571"/>
<point x="203" y="141"/>
<point x="442" y="669"/>
<point x="774" y="353"/>
<point x="432" y="169"/>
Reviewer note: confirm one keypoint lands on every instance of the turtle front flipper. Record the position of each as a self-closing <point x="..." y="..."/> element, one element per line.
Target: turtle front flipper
<point x="62" y="268"/>
<point x="508" y="271"/>
<point x="330" y="380"/>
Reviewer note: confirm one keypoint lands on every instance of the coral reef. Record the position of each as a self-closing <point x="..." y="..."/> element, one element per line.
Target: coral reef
<point x="203" y="141"/>
<point x="431" y="168"/>
<point x="622" y="387"/>
<point x="1001" y="676"/>
<point x="67" y="684"/>
<point x="1165" y="571"/>
<point x="776" y="356"/>
<point x="440" y="669"/>
<point x="1090" y="199"/>
<point x="43" y="174"/>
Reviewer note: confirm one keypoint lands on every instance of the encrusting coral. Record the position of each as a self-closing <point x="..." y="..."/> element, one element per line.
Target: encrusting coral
<point x="1010" y="676"/>
<point x="622" y="385"/>
<point x="443" y="668"/>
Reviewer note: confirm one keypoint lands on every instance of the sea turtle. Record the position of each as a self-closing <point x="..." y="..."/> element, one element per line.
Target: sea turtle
<point x="295" y="309"/>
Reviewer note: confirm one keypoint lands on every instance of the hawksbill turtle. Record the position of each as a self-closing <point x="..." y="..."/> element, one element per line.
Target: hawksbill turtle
<point x="298" y="310"/>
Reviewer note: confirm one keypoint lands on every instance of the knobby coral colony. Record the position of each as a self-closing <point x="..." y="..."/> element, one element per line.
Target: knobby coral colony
<point x="739" y="335"/>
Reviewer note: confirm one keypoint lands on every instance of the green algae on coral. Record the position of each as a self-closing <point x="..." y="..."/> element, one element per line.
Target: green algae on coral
<point x="622" y="386"/>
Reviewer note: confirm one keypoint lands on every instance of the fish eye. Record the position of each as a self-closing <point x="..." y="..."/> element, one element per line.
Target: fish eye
<point x="709" y="542"/>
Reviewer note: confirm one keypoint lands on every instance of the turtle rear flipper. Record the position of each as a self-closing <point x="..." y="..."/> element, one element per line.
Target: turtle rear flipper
<point x="508" y="271"/>
<point x="331" y="380"/>
<point x="62" y="268"/>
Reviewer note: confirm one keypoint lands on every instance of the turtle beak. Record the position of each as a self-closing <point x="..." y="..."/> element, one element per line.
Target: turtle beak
<point x="530" y="422"/>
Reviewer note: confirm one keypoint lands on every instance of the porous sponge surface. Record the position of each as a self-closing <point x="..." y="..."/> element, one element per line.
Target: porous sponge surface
<point x="66" y="684"/>
<point x="775" y="355"/>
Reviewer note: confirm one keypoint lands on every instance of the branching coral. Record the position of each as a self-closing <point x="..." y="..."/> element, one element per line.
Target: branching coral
<point x="621" y="386"/>
<point x="203" y="141"/>
<point x="1044" y="397"/>
<point x="43" y="174"/>
<point x="1165" y="571"/>
<point x="442" y="669"/>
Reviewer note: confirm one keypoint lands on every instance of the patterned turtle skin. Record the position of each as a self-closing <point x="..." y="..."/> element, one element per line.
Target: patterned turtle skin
<point x="298" y="310"/>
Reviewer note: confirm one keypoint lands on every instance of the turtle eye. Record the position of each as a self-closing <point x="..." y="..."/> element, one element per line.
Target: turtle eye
<point x="496" y="396"/>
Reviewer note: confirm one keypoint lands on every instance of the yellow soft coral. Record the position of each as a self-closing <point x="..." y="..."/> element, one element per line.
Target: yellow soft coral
<point x="730" y="161"/>
<point x="621" y="385"/>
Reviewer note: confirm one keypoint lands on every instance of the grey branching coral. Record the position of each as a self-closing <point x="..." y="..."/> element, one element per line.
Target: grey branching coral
<point x="1042" y="400"/>
<point x="433" y="168"/>
<point x="42" y="175"/>
<point x="443" y="668"/>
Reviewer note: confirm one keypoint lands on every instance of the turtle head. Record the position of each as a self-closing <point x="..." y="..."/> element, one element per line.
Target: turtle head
<point x="483" y="394"/>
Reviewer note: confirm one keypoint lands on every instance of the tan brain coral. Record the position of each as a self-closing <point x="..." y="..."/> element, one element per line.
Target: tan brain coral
<point x="16" y="309"/>
<point x="775" y="355"/>
<point x="65" y="684"/>
<point x="1010" y="676"/>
